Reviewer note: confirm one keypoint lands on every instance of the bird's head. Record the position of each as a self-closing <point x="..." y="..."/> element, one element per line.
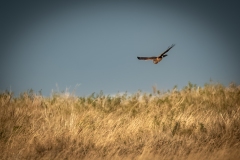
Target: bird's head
<point x="165" y="55"/>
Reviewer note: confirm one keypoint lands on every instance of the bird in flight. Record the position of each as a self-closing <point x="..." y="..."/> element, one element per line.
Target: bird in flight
<point x="159" y="58"/>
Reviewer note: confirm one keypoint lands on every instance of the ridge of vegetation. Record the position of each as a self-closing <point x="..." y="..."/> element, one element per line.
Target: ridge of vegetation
<point x="191" y="123"/>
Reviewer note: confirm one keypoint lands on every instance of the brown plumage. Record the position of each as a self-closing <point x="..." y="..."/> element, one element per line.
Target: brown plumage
<point x="159" y="58"/>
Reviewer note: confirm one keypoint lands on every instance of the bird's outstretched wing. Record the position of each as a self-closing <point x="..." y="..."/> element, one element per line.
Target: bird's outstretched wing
<point x="167" y="50"/>
<point x="146" y="58"/>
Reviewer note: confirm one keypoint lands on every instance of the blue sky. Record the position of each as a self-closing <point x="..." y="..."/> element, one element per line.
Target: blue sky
<point x="94" y="45"/>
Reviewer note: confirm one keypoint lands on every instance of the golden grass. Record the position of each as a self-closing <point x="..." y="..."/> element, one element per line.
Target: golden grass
<point x="192" y="123"/>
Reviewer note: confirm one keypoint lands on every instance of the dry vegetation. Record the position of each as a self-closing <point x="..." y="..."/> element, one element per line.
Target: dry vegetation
<point x="191" y="123"/>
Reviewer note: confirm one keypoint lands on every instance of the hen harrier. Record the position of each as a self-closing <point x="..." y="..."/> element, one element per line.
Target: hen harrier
<point x="159" y="58"/>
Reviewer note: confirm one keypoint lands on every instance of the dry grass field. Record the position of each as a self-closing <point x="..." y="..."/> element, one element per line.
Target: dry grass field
<point x="190" y="123"/>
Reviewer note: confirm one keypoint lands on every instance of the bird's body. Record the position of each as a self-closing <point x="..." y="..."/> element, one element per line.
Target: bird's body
<point x="157" y="59"/>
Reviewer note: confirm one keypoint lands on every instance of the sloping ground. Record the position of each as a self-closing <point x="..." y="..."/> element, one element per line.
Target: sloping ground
<point x="193" y="123"/>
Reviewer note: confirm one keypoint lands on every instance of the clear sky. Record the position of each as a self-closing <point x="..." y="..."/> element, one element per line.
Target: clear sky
<point x="94" y="45"/>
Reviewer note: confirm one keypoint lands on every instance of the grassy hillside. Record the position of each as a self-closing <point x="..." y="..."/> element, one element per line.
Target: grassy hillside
<point x="191" y="123"/>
